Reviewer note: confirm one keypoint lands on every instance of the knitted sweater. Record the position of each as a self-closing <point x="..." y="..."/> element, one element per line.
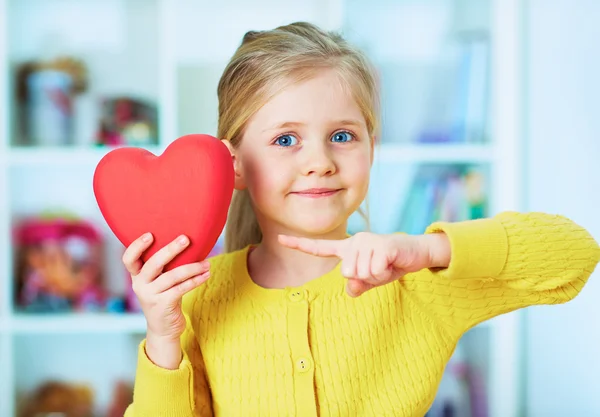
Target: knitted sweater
<point x="313" y="350"/>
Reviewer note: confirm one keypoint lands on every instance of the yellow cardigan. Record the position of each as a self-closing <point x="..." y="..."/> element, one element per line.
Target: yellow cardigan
<point x="250" y="351"/>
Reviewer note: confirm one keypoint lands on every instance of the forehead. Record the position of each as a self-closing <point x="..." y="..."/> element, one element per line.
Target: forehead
<point x="317" y="100"/>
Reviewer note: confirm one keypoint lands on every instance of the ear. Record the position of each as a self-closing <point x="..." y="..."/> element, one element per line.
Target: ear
<point x="237" y="166"/>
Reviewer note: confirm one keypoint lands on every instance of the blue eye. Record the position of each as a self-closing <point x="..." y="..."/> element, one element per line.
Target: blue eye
<point x="286" y="140"/>
<point x="342" y="137"/>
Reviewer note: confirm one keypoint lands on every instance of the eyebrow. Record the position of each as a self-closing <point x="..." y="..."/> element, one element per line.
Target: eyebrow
<point x="287" y="125"/>
<point x="284" y="125"/>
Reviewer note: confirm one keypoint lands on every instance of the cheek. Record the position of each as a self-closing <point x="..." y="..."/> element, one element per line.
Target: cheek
<point x="264" y="174"/>
<point x="357" y="171"/>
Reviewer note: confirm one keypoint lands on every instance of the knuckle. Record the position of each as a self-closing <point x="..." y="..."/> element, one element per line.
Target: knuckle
<point x="178" y="277"/>
<point x="168" y="253"/>
<point x="379" y="278"/>
<point x="194" y="269"/>
<point x="182" y="288"/>
<point x="378" y="269"/>
<point x="178" y="244"/>
<point x="162" y="256"/>
<point x="126" y="259"/>
<point x="188" y="270"/>
<point x="137" y="289"/>
<point x="190" y="284"/>
<point x="173" y="248"/>
<point x="359" y="237"/>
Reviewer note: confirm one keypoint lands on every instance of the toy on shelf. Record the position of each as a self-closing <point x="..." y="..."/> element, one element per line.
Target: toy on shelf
<point x="54" y="398"/>
<point x="121" y="399"/>
<point x="59" y="265"/>
<point x="127" y="121"/>
<point x="45" y="93"/>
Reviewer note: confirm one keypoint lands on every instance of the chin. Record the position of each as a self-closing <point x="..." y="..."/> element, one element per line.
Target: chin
<point x="316" y="224"/>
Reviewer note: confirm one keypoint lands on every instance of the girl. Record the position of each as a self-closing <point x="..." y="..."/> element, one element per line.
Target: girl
<point x="299" y="319"/>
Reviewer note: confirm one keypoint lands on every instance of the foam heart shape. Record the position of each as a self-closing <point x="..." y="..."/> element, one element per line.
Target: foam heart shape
<point x="186" y="190"/>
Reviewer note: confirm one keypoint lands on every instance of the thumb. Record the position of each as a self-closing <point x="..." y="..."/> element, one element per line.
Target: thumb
<point x="356" y="287"/>
<point x="317" y="247"/>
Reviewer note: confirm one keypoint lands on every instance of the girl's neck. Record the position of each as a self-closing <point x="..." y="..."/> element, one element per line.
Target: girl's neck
<point x="272" y="265"/>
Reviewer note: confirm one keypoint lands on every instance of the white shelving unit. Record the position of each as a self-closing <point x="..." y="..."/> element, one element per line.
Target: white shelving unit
<point x="78" y="323"/>
<point x="173" y="52"/>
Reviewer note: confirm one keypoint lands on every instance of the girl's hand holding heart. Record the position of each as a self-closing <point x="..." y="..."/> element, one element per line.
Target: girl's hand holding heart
<point x="160" y="294"/>
<point x="370" y="260"/>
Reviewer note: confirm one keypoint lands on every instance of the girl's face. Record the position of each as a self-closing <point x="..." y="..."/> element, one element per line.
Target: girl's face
<point x="305" y="157"/>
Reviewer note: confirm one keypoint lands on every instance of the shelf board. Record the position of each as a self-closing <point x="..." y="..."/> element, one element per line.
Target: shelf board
<point x="90" y="323"/>
<point x="434" y="153"/>
<point x="65" y="156"/>
<point x="77" y="323"/>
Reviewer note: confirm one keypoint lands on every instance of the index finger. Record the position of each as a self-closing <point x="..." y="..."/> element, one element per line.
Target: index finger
<point x="317" y="247"/>
<point x="155" y="265"/>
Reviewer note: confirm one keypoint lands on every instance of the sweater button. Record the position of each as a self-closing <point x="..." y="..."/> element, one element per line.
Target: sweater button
<point x="303" y="365"/>
<point x="296" y="295"/>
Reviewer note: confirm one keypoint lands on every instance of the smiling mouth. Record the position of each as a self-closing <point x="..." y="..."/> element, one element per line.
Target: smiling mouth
<point x="317" y="192"/>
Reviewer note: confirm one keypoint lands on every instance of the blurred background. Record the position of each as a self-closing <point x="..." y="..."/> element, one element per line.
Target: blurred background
<point x="488" y="105"/>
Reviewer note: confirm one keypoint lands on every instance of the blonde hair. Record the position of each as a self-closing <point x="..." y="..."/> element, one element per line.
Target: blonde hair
<point x="264" y="64"/>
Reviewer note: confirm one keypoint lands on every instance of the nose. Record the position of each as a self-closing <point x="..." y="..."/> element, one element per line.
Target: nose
<point x="316" y="159"/>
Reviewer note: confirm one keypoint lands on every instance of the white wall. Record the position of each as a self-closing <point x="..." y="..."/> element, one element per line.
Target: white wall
<point x="563" y="89"/>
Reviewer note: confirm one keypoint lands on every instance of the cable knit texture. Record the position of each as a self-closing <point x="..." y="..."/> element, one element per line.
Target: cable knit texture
<point x="313" y="350"/>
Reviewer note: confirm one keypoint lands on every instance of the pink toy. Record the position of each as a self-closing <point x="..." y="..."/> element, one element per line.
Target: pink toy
<point x="59" y="265"/>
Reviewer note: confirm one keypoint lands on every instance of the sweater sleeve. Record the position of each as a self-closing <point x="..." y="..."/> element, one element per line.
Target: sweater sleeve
<point x="182" y="392"/>
<point x="504" y="263"/>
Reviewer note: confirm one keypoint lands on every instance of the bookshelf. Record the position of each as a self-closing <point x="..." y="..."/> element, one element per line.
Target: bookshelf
<point x="152" y="51"/>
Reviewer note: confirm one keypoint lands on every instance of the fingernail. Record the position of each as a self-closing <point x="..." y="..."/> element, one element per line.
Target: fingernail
<point x="205" y="264"/>
<point x="146" y="237"/>
<point x="183" y="240"/>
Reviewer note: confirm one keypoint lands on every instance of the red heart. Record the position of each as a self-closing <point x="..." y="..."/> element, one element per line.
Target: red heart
<point x="186" y="190"/>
